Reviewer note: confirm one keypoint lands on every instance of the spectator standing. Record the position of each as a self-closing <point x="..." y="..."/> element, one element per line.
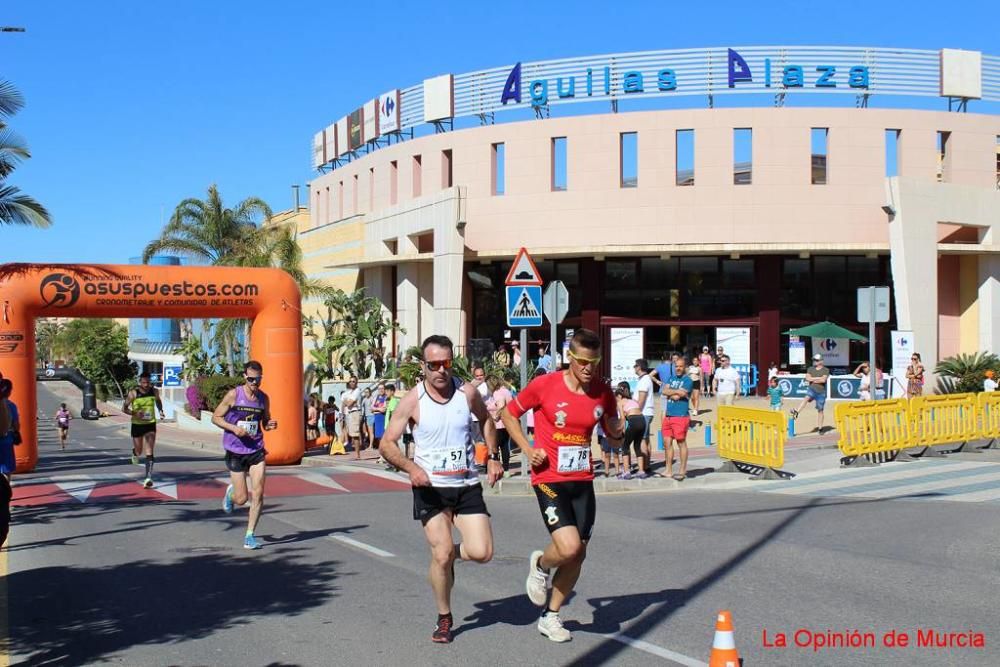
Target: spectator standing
<point x="707" y="364"/>
<point x="989" y="384"/>
<point x="313" y="407"/>
<point x="694" y="373"/>
<point x="497" y="397"/>
<point x="774" y="395"/>
<point x="378" y="408"/>
<point x="772" y="371"/>
<point x="817" y="377"/>
<point x="544" y="359"/>
<point x="476" y="429"/>
<point x="635" y="427"/>
<point x="677" y="420"/>
<point x="915" y="376"/>
<point x="726" y="382"/>
<point x="350" y="406"/>
<point x="865" y="389"/>
<point x="330" y="417"/>
<point x="645" y="397"/>
<point x="516" y="355"/>
<point x="11" y="435"/>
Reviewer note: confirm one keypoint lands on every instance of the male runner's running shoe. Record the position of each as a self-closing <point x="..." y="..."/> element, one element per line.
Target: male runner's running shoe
<point x="442" y="633"/>
<point x="250" y="542"/>
<point x="227" y="500"/>
<point x="550" y="625"/>
<point x="537" y="583"/>
<point x="135" y="459"/>
<point x="148" y="483"/>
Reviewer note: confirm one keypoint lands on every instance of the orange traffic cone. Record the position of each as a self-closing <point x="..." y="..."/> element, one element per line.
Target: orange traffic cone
<point x="724" y="653"/>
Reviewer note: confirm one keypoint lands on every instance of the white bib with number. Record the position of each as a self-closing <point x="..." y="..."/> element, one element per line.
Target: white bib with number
<point x="249" y="426"/>
<point x="574" y="459"/>
<point x="450" y="461"/>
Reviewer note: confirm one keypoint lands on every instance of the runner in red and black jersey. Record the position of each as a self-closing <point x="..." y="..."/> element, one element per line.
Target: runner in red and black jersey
<point x="567" y="406"/>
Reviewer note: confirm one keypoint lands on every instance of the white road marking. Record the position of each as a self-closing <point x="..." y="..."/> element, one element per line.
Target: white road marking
<point x="361" y="545"/>
<point x="385" y="474"/>
<point x="658" y="651"/>
<point x="166" y="488"/>
<point x="79" y="489"/>
<point x="891" y="472"/>
<point x="321" y="480"/>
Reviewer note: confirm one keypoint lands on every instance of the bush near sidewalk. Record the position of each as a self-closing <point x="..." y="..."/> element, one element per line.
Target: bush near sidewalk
<point x="213" y="388"/>
<point x="965" y="372"/>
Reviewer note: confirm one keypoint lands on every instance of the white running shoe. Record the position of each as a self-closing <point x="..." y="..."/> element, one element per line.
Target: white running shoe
<point x="551" y="626"/>
<point x="537" y="583"/>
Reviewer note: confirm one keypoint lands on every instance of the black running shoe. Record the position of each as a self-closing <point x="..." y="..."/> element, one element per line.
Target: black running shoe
<point x="442" y="633"/>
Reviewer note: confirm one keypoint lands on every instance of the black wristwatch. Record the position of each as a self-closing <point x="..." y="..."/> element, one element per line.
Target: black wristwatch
<point x="495" y="456"/>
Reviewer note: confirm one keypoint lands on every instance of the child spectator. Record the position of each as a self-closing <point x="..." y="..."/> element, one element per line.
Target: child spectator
<point x="774" y="394"/>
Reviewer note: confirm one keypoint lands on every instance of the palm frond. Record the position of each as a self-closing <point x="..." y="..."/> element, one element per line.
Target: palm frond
<point x="11" y="100"/>
<point x="17" y="208"/>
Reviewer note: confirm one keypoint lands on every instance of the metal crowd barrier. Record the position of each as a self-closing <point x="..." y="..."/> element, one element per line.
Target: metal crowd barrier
<point x="752" y="437"/>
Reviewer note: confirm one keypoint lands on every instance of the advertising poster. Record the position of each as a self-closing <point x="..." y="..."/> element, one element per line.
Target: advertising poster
<point x="835" y="351"/>
<point x="626" y="347"/>
<point x="902" y="350"/>
<point x="736" y="343"/>
<point x="796" y="351"/>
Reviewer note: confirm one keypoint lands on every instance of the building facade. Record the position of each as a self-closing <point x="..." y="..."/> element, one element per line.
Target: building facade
<point x="680" y="221"/>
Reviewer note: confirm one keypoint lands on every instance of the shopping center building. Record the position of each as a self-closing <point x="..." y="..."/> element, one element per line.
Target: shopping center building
<point x="678" y="193"/>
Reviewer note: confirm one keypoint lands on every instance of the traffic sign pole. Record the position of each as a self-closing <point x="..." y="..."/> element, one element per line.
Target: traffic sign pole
<point x="872" y="375"/>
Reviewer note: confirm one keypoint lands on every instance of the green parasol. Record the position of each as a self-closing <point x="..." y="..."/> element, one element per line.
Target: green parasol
<point x="826" y="329"/>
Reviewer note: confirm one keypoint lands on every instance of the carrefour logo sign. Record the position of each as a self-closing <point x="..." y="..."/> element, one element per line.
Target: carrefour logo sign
<point x="597" y="81"/>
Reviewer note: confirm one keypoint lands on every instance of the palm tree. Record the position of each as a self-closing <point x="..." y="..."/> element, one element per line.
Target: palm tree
<point x="16" y="208"/>
<point x="206" y="230"/>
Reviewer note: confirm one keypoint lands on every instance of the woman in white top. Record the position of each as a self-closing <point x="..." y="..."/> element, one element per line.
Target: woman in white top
<point x="694" y="372"/>
<point x="864" y="391"/>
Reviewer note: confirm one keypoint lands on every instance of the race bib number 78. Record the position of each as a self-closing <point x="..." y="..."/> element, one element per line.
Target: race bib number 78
<point x="574" y="459"/>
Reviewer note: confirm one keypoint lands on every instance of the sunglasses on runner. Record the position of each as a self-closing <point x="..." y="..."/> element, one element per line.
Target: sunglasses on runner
<point x="254" y="379"/>
<point x="585" y="361"/>
<point x="438" y="365"/>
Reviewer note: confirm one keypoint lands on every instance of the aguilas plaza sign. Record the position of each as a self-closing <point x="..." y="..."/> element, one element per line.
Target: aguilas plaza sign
<point x="635" y="81"/>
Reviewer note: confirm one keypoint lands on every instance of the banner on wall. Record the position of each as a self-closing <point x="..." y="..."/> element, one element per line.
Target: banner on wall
<point x="835" y="351"/>
<point x="902" y="350"/>
<point x="626" y="347"/>
<point x="735" y="342"/>
<point x="796" y="351"/>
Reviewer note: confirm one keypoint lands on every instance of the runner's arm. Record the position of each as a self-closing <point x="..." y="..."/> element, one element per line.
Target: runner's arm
<point x="268" y="423"/>
<point x="389" y="445"/>
<point x="527" y="400"/>
<point x="127" y="404"/>
<point x="159" y="403"/>
<point x="218" y="417"/>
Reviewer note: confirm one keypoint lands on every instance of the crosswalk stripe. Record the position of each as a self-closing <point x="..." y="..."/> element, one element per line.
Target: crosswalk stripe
<point x="940" y="484"/>
<point x="886" y="473"/>
<point x="899" y="481"/>
<point x="840" y="474"/>
<point x="78" y="489"/>
<point x="320" y="479"/>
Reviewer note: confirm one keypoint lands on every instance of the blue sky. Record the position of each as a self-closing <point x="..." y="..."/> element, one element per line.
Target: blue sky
<point x="133" y="106"/>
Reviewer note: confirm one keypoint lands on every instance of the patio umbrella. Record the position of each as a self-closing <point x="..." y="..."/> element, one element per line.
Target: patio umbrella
<point x="826" y="329"/>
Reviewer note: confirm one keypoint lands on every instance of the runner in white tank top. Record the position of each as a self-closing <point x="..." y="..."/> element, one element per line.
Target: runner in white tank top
<point x="443" y="439"/>
<point x="446" y="488"/>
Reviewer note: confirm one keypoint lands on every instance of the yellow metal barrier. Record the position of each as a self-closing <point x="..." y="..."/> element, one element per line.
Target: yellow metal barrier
<point x="989" y="416"/>
<point x="944" y="419"/>
<point x="751" y="436"/>
<point x="870" y="427"/>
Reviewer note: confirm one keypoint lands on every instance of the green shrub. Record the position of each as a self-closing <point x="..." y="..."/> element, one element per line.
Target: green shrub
<point x="214" y="387"/>
<point x="964" y="372"/>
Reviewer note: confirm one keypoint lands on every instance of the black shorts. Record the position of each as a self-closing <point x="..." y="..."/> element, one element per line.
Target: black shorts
<point x="139" y="430"/>
<point x="429" y="501"/>
<point x="243" y="462"/>
<point x="568" y="504"/>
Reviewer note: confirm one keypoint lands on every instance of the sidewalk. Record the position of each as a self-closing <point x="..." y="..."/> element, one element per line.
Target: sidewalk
<point x="803" y="453"/>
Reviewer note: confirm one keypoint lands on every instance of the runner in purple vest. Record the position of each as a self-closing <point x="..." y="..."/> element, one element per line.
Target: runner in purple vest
<point x="244" y="414"/>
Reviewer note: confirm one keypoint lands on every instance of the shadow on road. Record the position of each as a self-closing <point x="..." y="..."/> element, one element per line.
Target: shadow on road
<point x="84" y="615"/>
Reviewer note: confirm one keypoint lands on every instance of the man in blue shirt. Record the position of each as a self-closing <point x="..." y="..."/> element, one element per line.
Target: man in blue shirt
<point x="677" y="417"/>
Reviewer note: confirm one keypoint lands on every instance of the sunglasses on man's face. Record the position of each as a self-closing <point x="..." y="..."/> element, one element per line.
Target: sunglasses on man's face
<point x="254" y="379"/>
<point x="437" y="365"/>
<point x="585" y="361"/>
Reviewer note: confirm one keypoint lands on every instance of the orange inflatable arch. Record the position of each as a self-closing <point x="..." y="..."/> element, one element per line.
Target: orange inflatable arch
<point x="268" y="297"/>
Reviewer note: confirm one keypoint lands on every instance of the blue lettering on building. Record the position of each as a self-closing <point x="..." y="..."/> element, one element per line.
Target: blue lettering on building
<point x="634" y="81"/>
<point x="512" y="89"/>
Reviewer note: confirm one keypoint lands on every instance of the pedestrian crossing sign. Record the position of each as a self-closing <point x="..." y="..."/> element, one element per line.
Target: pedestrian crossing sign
<point x="524" y="306"/>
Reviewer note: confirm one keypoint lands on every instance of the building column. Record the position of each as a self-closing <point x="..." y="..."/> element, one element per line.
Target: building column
<point x="449" y="261"/>
<point x="407" y="293"/>
<point x="989" y="304"/>
<point x="768" y="306"/>
<point x="591" y="275"/>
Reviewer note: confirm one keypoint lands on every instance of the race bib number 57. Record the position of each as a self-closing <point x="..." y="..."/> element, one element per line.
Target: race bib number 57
<point x="451" y="461"/>
<point x="574" y="459"/>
